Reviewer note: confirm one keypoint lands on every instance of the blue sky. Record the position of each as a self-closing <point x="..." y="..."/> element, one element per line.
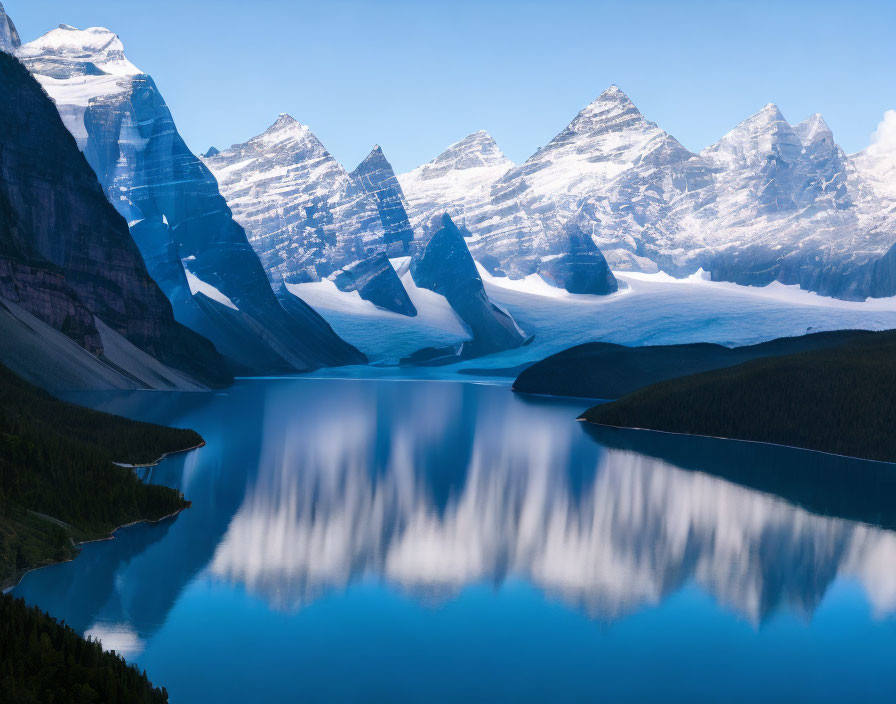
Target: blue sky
<point x="417" y="76"/>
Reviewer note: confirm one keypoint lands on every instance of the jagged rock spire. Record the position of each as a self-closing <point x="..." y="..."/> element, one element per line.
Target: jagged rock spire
<point x="376" y="176"/>
<point x="9" y="37"/>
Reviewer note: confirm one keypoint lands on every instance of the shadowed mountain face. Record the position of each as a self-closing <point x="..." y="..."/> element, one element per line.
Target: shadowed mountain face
<point x="67" y="256"/>
<point x="377" y="178"/>
<point x="180" y="221"/>
<point x="444" y="265"/>
<point x="375" y="280"/>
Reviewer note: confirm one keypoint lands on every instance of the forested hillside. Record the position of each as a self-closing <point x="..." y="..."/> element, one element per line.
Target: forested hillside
<point x="58" y="483"/>
<point x="835" y="400"/>
<point x="44" y="661"/>
<point x="605" y="370"/>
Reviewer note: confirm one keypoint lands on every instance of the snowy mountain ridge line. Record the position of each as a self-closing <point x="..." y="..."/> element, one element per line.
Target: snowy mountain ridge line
<point x="307" y="217"/>
<point x="303" y="213"/>
<point x="768" y="201"/>
<point x="93" y="48"/>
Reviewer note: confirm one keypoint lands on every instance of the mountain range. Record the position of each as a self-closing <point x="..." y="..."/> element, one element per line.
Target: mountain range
<point x="767" y="202"/>
<point x="310" y="219"/>
<point x="230" y="237"/>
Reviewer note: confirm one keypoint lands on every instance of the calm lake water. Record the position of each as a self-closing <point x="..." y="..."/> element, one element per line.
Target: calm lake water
<point x="411" y="541"/>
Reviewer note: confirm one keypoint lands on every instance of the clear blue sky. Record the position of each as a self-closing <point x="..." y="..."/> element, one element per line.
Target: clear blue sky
<point x="415" y="76"/>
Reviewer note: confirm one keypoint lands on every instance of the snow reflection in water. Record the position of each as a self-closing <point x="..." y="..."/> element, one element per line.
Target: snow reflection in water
<point x="422" y="486"/>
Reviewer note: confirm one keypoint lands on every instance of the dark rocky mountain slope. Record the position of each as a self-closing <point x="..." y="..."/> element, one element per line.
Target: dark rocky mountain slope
<point x="66" y="255"/>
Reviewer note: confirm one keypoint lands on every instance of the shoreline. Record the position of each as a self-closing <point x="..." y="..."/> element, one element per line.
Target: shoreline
<point x="561" y="397"/>
<point x="160" y="459"/>
<point x="112" y="533"/>
<point x="582" y="419"/>
<point x="17" y="580"/>
<point x="77" y="545"/>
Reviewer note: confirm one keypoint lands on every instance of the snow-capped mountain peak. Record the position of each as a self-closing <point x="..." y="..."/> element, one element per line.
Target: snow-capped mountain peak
<point x="765" y="133"/>
<point x="286" y="126"/>
<point x="376" y="178"/>
<point x="324" y="220"/>
<point x="67" y="51"/>
<point x="814" y="130"/>
<point x="476" y="150"/>
<point x="612" y="112"/>
<point x="375" y="159"/>
<point x="285" y="121"/>
<point x="286" y="141"/>
<point x="607" y="137"/>
<point x="606" y="108"/>
<point x="458" y="181"/>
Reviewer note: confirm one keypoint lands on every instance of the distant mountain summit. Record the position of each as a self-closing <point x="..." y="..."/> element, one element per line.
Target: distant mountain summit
<point x="458" y="181"/>
<point x="766" y="202"/>
<point x="769" y="201"/>
<point x="376" y="177"/>
<point x="525" y="217"/>
<point x="193" y="247"/>
<point x="309" y="219"/>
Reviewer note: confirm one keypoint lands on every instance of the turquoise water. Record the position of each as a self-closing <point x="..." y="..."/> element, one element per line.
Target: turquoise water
<point x="413" y="541"/>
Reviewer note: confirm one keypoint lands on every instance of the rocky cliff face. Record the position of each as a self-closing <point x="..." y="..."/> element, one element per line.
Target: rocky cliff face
<point x="67" y="256"/>
<point x="9" y="37"/>
<point x="376" y="177"/>
<point x="306" y="216"/>
<point x="179" y="219"/>
<point x="376" y="281"/>
<point x="444" y="265"/>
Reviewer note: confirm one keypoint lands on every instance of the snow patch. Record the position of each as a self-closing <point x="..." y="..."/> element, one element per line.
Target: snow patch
<point x="384" y="336"/>
<point x="532" y="285"/>
<point x="197" y="285"/>
<point x="776" y="291"/>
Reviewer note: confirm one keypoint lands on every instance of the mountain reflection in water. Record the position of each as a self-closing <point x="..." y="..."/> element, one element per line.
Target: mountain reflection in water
<point x="435" y="486"/>
<point x="308" y="486"/>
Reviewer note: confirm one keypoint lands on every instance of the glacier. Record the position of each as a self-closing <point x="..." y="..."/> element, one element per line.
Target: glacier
<point x="649" y="309"/>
